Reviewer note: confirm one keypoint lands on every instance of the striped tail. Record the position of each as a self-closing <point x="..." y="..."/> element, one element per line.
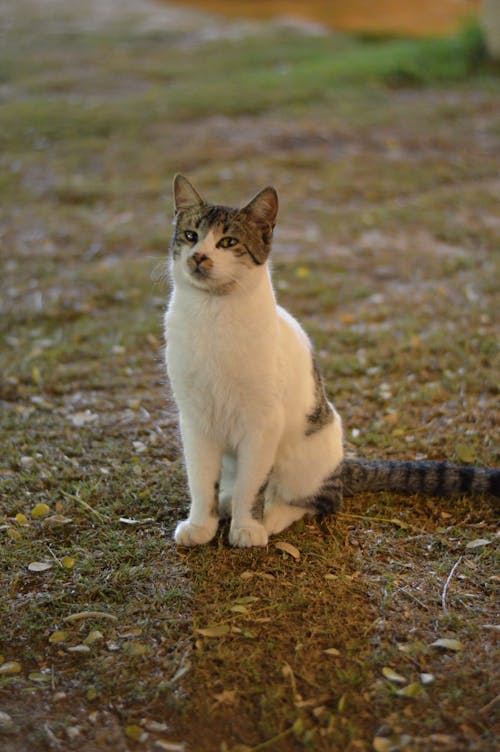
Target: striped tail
<point x="430" y="478"/>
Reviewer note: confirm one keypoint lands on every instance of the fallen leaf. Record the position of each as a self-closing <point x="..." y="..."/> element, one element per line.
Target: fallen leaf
<point x="38" y="676"/>
<point x="161" y="744"/>
<point x="93" y="636"/>
<point x="247" y="575"/>
<point x="382" y="744"/>
<point x="341" y="704"/>
<point x="288" y="548"/>
<point x="332" y="651"/>
<point x="39" y="566"/>
<point x="411" y="691"/>
<point x="6" y="722"/>
<point x="218" y="631"/>
<point x="136" y="648"/>
<point x="136" y="733"/>
<point x="465" y="453"/>
<point x="132" y="521"/>
<point x="447" y="644"/>
<point x="444" y="740"/>
<point x="302" y="272"/>
<point x="91" y="693"/>
<point x="39" y="511"/>
<point x="246" y="599"/>
<point x="427" y="678"/>
<point x="21" y="519"/>
<point x="78" y="649"/>
<point x="156" y="727"/>
<point x="478" y="543"/>
<point x="347" y="318"/>
<point x="13" y="533"/>
<point x="57" y="519"/>
<point x="226" y="697"/>
<point x="82" y="418"/>
<point x="89" y="615"/>
<point x="57" y="637"/>
<point x="133" y="632"/>
<point x="11" y="667"/>
<point x="68" y="562"/>
<point x="393" y="676"/>
<point x="393" y="743"/>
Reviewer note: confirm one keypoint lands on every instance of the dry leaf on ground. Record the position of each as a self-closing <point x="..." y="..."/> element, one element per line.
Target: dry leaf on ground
<point x="288" y="549"/>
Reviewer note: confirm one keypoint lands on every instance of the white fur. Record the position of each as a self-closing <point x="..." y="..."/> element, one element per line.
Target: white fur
<point x="240" y="370"/>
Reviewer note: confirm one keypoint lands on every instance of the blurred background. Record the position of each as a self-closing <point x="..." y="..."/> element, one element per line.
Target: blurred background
<point x="414" y="17"/>
<point x="379" y="125"/>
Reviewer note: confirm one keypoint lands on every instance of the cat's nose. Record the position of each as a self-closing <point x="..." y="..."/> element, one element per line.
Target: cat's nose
<point x="200" y="263"/>
<point x="199" y="258"/>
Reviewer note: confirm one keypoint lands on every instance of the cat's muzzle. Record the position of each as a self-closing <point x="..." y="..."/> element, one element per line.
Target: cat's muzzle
<point x="199" y="264"/>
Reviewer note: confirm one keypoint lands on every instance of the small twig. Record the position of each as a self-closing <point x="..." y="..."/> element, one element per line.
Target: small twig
<point x="55" y="557"/>
<point x="490" y="705"/>
<point x="390" y="520"/>
<point x="447" y="584"/>
<point x="85" y="505"/>
<point x="414" y="598"/>
<point x="274" y="740"/>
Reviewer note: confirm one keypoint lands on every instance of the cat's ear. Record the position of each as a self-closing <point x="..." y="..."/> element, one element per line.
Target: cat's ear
<point x="264" y="206"/>
<point x="185" y="196"/>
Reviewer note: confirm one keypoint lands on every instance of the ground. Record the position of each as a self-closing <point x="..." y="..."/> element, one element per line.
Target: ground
<point x="385" y="157"/>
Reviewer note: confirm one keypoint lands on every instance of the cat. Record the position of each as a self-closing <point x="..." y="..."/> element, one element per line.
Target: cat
<point x="262" y="443"/>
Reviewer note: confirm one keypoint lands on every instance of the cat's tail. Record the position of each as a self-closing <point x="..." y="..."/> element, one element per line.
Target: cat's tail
<point x="430" y="478"/>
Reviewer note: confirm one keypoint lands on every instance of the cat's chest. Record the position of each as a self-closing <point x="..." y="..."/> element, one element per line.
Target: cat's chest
<point x="218" y="359"/>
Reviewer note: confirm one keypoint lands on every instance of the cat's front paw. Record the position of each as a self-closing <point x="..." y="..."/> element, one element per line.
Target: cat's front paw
<point x="187" y="534"/>
<point x="252" y="534"/>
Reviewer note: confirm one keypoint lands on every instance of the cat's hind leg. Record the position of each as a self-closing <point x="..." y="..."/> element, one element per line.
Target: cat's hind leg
<point x="279" y="515"/>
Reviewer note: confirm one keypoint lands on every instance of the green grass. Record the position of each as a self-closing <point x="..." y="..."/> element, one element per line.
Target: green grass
<point x="276" y="70"/>
<point x="384" y="155"/>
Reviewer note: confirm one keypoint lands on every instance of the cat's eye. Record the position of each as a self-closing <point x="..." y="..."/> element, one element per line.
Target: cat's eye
<point x="191" y="236"/>
<point x="227" y="242"/>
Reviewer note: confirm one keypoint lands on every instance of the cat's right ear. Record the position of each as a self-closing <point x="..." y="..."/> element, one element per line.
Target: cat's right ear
<point x="185" y="196"/>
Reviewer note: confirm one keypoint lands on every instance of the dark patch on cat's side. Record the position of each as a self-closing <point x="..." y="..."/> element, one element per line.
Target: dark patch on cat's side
<point x="328" y="498"/>
<point x="322" y="413"/>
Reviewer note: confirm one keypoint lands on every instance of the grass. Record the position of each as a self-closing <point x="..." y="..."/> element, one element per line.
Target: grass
<point x="385" y="249"/>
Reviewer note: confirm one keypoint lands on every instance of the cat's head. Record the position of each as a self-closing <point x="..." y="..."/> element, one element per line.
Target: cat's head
<point x="216" y="248"/>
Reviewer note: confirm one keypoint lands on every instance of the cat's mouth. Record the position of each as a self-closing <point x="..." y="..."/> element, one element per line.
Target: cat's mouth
<point x="200" y="273"/>
<point x="200" y="265"/>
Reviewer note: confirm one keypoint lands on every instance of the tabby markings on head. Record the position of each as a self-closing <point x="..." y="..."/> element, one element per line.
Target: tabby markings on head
<point x="254" y="240"/>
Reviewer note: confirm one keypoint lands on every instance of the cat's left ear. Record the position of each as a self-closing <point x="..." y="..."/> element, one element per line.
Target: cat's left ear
<point x="185" y="196"/>
<point x="264" y="206"/>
